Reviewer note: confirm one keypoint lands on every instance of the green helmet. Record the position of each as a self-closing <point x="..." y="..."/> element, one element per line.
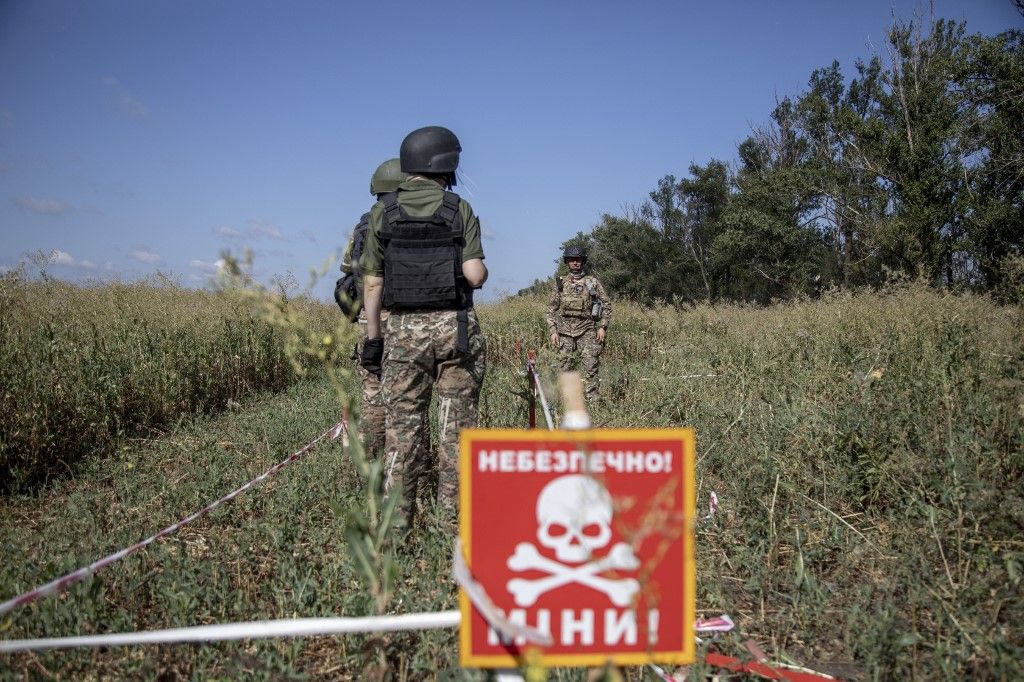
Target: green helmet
<point x="387" y="177"/>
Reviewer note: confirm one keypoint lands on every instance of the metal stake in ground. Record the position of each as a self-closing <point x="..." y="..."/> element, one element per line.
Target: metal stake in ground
<point x="531" y="387"/>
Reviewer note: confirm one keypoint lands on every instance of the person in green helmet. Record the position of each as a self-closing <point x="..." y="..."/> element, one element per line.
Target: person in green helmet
<point x="349" y="294"/>
<point x="578" y="316"/>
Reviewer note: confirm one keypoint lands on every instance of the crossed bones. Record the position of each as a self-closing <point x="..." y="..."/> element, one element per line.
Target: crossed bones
<point x="527" y="557"/>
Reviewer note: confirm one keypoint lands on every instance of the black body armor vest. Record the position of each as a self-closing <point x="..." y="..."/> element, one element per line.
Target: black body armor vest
<point x="423" y="257"/>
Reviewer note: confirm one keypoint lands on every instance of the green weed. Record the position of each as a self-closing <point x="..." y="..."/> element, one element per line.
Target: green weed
<point x="82" y="367"/>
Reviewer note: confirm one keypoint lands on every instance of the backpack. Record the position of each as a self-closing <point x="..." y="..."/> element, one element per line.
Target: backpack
<point x="348" y="291"/>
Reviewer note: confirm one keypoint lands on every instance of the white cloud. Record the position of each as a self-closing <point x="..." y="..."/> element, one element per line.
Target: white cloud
<point x="207" y="267"/>
<point x="310" y="235"/>
<point x="260" y="228"/>
<point x="126" y="100"/>
<point x="41" y="205"/>
<point x="229" y="232"/>
<point x="254" y="230"/>
<point x="145" y="256"/>
<point x="58" y="257"/>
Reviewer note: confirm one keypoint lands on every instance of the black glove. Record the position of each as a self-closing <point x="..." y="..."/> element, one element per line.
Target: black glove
<point x="372" y="355"/>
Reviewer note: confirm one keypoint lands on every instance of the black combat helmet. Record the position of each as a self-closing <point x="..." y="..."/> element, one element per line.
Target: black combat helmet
<point x="387" y="177"/>
<point x="574" y="251"/>
<point x="433" y="150"/>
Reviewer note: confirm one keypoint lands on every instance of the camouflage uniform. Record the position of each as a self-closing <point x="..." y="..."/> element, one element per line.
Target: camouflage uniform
<point x="420" y="359"/>
<point x="569" y="315"/>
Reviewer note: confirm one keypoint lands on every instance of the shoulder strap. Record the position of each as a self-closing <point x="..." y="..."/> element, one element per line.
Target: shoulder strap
<point x="449" y="207"/>
<point x="359" y="237"/>
<point x="392" y="211"/>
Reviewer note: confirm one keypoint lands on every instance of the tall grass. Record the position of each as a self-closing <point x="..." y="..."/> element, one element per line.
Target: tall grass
<point x="83" y="366"/>
<point x="866" y="450"/>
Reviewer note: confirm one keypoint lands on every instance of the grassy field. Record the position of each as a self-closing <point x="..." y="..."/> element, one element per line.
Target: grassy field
<point x="84" y="367"/>
<point x="866" y="451"/>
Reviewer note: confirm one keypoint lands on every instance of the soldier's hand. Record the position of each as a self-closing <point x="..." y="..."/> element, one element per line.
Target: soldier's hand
<point x="372" y="355"/>
<point x="601" y="333"/>
<point x="554" y="339"/>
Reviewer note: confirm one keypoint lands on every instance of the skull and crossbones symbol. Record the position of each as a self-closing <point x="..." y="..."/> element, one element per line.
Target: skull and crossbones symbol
<point x="574" y="515"/>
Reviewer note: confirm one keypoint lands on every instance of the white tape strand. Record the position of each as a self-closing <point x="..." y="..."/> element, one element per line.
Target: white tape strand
<point x="62" y="583"/>
<point x="480" y="599"/>
<point x="298" y="627"/>
<point x="543" y="399"/>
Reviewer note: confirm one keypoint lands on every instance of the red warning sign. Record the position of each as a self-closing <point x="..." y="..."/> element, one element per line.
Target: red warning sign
<point x="583" y="535"/>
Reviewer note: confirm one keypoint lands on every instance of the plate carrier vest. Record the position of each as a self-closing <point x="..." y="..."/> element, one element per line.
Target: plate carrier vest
<point x="576" y="298"/>
<point x="423" y="257"/>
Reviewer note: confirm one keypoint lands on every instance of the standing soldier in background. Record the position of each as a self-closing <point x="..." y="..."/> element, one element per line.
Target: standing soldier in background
<point x="348" y="292"/>
<point x="422" y="259"/>
<point x="578" y="316"/>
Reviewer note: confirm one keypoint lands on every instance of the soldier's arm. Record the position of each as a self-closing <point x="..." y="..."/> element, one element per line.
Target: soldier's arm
<point x="475" y="272"/>
<point x="372" y="266"/>
<point x="373" y="290"/>
<point x="473" y="268"/>
<point x="606" y="306"/>
<point x="473" y="247"/>
<point x="553" y="305"/>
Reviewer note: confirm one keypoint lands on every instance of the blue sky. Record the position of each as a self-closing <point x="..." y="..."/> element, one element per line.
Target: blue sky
<point x="138" y="136"/>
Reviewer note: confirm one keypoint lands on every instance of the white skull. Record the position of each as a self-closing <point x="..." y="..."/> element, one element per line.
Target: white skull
<point x="574" y="515"/>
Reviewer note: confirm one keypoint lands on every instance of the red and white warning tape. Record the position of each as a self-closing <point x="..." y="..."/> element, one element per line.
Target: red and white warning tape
<point x="62" y="583"/>
<point x="540" y="391"/>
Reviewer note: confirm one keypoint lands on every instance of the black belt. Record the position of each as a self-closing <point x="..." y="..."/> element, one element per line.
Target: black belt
<point x="462" y="339"/>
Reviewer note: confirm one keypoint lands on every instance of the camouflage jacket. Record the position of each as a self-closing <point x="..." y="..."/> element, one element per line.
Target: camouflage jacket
<point x="572" y="304"/>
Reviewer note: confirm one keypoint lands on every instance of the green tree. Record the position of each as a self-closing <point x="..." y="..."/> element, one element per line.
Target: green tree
<point x="628" y="256"/>
<point x="991" y="82"/>
<point x="914" y="166"/>
<point x="920" y="151"/>
<point x="704" y="197"/>
<point x="767" y="248"/>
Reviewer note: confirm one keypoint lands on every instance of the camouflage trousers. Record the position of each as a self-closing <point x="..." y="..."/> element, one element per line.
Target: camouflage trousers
<point x="420" y="359"/>
<point x="371" y="409"/>
<point x="589" y="350"/>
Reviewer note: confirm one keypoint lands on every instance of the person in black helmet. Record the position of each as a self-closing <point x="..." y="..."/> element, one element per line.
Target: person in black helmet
<point x="421" y="262"/>
<point x="578" y="316"/>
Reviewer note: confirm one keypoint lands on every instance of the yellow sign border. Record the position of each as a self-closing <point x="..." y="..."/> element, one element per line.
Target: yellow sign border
<point x="687" y="438"/>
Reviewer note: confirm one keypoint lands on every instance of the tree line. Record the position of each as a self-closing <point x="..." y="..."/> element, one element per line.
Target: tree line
<point x="913" y="167"/>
